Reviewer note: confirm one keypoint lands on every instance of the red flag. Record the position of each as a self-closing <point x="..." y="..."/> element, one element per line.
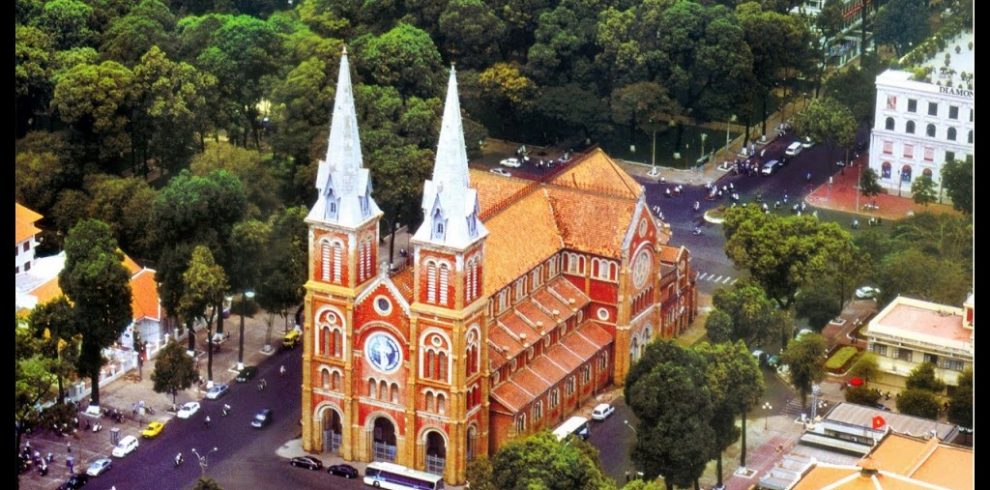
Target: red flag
<point x="878" y="422"/>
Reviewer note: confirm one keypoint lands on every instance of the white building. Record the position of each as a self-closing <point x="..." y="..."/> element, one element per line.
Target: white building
<point x="25" y="238"/>
<point x="922" y="124"/>
<point x="908" y="332"/>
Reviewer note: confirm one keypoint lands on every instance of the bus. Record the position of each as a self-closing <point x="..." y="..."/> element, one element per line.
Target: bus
<point x="577" y="426"/>
<point x="392" y="476"/>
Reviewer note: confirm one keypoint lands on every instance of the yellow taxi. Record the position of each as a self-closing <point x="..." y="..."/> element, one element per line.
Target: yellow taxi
<point x="152" y="430"/>
<point x="291" y="339"/>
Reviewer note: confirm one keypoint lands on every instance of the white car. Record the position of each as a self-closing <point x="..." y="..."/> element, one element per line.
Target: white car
<point x="501" y="171"/>
<point x="602" y="411"/>
<point x="510" y="162"/>
<point x="126" y="446"/>
<point x="98" y="466"/>
<point x="807" y="143"/>
<point x="188" y="410"/>
<point x="218" y="390"/>
<point x="793" y="149"/>
<point x="867" y="292"/>
<point x="804" y="331"/>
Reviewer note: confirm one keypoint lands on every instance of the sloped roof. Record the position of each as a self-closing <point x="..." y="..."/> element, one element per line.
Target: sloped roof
<point x="509" y="252"/>
<point x="403" y="281"/>
<point x="597" y="172"/>
<point x="592" y="223"/>
<point x="493" y="189"/>
<point x="144" y="296"/>
<point x="24" y="220"/>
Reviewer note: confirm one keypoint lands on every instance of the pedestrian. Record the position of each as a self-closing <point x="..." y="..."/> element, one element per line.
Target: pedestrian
<point x="808" y="177"/>
<point x="68" y="447"/>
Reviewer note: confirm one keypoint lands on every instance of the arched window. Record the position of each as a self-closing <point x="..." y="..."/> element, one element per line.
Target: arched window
<point x="428" y="365"/>
<point x="441" y="404"/>
<point x="338" y="344"/>
<point x="930" y="130"/>
<point x="338" y="253"/>
<point x="951" y="134"/>
<point x="927" y="172"/>
<point x="443" y="366"/>
<point x="971" y="136"/>
<point x="382" y="390"/>
<point x="537" y="411"/>
<point x="444" y="273"/>
<point x="335" y="381"/>
<point x="429" y="401"/>
<point x="325" y="378"/>
<point x="554" y="398"/>
<point x="437" y="225"/>
<point x="431" y="282"/>
<point x="885" y="170"/>
<point x="906" y="173"/>
<point x="372" y="388"/>
<point x="890" y="124"/>
<point x="395" y="393"/>
<point x="909" y="127"/>
<point x="326" y="346"/>
<point x="325" y="259"/>
<point x="521" y="423"/>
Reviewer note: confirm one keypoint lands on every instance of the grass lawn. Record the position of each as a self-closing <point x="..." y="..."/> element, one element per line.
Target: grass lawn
<point x="841" y="358"/>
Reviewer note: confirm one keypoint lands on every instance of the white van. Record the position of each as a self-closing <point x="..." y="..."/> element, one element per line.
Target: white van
<point x="126" y="446"/>
<point x="793" y="149"/>
<point x="770" y="167"/>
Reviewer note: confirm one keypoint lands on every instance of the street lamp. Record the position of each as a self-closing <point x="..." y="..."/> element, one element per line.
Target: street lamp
<point x="203" y="463"/>
<point x="731" y="120"/>
<point x="768" y="407"/>
<point x="249" y="294"/>
<point x="653" y="156"/>
<point x="702" y="158"/>
<point x="630" y="426"/>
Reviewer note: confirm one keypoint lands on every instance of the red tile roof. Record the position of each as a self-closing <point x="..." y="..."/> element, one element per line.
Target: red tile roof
<point x="144" y="296"/>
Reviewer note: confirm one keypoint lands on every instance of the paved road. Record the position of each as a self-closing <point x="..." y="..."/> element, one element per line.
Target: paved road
<point x="152" y="464"/>
<point x="615" y="441"/>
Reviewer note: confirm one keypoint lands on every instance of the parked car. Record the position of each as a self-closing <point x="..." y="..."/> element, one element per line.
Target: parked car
<point x="126" y="446"/>
<point x="152" y="430"/>
<point x="262" y="418"/>
<point x="761" y="357"/>
<point x="804" y="331"/>
<point x="217" y="391"/>
<point x="188" y="410"/>
<point x="501" y="171"/>
<point x="793" y="149"/>
<point x="602" y="411"/>
<point x="246" y="374"/>
<point x="808" y="142"/>
<point x="773" y="361"/>
<point x="344" y="470"/>
<point x="867" y="292"/>
<point x="75" y="481"/>
<point x="510" y="162"/>
<point x="307" y="462"/>
<point x="99" y="466"/>
<point x="291" y="339"/>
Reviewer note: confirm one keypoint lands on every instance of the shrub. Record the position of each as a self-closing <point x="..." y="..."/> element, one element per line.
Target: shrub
<point x="862" y="395"/>
<point x="840" y="358"/>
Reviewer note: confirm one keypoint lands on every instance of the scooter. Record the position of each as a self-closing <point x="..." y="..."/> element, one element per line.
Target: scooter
<point x="178" y="460"/>
<point x="697" y="231"/>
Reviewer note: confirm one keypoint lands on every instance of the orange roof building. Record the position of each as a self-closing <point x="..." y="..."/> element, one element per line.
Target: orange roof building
<point x="25" y="237"/>
<point x="522" y="300"/>
<point x="898" y="462"/>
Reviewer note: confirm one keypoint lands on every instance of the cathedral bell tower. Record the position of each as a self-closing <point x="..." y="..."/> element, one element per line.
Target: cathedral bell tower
<point x="447" y="312"/>
<point x="343" y="254"/>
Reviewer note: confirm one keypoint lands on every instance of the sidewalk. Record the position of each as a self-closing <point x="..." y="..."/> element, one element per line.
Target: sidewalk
<point x="841" y="195"/>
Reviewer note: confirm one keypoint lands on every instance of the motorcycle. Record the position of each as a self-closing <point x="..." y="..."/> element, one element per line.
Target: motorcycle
<point x="178" y="460"/>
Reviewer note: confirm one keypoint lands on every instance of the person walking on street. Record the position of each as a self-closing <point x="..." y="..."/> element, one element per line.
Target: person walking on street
<point x="206" y="422"/>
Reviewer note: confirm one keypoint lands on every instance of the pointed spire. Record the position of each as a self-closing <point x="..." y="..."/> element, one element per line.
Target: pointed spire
<point x="450" y="205"/>
<point x="451" y="164"/>
<point x="344" y="184"/>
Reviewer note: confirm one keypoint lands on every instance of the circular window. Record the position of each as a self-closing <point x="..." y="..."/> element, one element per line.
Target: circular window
<point x="642" y="228"/>
<point x="435" y="340"/>
<point x="382" y="305"/>
<point x="331" y="317"/>
<point x="383" y="352"/>
<point x="602" y="314"/>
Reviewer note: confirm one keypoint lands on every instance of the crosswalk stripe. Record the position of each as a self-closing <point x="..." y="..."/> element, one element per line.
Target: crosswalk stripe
<point x="734" y="281"/>
<point x="717" y="279"/>
<point x="702" y="276"/>
<point x="726" y="281"/>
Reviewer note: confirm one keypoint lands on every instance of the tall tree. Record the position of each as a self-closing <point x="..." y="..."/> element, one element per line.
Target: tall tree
<point x="405" y="58"/>
<point x="34" y="55"/>
<point x="34" y="384"/>
<point x="901" y="24"/>
<point x="923" y="190"/>
<point x="249" y="239"/>
<point x="53" y="322"/>
<point x="249" y="166"/>
<point x="68" y="21"/>
<point x="205" y="285"/>
<point x="916" y="273"/>
<point x="668" y="391"/>
<point x="175" y="370"/>
<point x="805" y="358"/>
<point x="97" y="283"/>
<point x="541" y="461"/>
<point x="869" y="186"/>
<point x="95" y="101"/>
<point x="122" y="203"/>
<point x="471" y="33"/>
<point x="918" y="402"/>
<point x="149" y="24"/>
<point x="284" y="270"/>
<point x="961" y="402"/>
<point x="755" y="319"/>
<point x="923" y="377"/>
<point x="957" y="180"/>
<point x="829" y="121"/>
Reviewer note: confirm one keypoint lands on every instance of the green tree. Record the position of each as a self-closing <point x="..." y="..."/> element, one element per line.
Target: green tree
<point x="148" y="24"/>
<point x="865" y="367"/>
<point x="301" y="104"/>
<point x="957" y="179"/>
<point x="923" y="377"/>
<point x="918" y="402"/>
<point x="853" y="87"/>
<point x="205" y="285"/>
<point x="34" y="55"/>
<point x="541" y="461"/>
<point x="564" y="45"/>
<point x="67" y="21"/>
<point x="961" y="402"/>
<point x="869" y="186"/>
<point x="828" y="120"/>
<point x="736" y="384"/>
<point x="122" y="203"/>
<point x="175" y="370"/>
<point x="668" y="392"/>
<point x="54" y="323"/>
<point x="923" y="190"/>
<point x="40" y="174"/>
<point x="34" y="384"/>
<point x="507" y="90"/>
<point x="641" y="103"/>
<point x="284" y="271"/>
<point x="480" y="474"/>
<point x="817" y="304"/>
<point x="207" y="483"/>
<point x="718" y="325"/>
<point x="861" y="395"/>
<point x="472" y="33"/>
<point x="901" y="24"/>
<point x="754" y="317"/>
<point x="937" y="234"/>
<point x="97" y="284"/>
<point x="805" y="357"/>
<point x="397" y="174"/>
<point x="829" y="23"/>
<point x="95" y="101"/>
<point x="405" y="58"/>
<point x="249" y="239"/>
<point x="248" y="165"/>
<point x="916" y="273"/>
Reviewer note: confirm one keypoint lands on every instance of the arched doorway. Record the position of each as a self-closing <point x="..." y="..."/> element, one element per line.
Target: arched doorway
<point x="436" y="452"/>
<point x="332" y="431"/>
<point x="906" y="173"/>
<point x="472" y="443"/>
<point x="383" y="440"/>
<point x="885" y="170"/>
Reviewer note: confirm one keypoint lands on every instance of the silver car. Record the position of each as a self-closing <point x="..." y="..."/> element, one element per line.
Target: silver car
<point x="98" y="466"/>
<point x="217" y="391"/>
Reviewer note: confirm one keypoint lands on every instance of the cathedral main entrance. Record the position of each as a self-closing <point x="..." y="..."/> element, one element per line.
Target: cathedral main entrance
<point x="332" y="430"/>
<point x="383" y="440"/>
<point x="436" y="453"/>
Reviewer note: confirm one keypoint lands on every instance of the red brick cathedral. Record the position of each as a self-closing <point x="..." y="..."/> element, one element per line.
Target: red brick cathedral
<point x="523" y="300"/>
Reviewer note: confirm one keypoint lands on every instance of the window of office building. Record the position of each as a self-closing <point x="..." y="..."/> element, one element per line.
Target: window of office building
<point x="889" y="124"/>
<point x="932" y="109"/>
<point x="930" y="130"/>
<point x="912" y="105"/>
<point x="904" y="354"/>
<point x="951" y="134"/>
<point x="950" y="156"/>
<point x="953" y="112"/>
<point x="909" y="127"/>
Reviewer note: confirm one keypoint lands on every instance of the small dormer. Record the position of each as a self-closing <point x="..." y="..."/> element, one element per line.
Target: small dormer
<point x="438" y="224"/>
<point x="333" y="204"/>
